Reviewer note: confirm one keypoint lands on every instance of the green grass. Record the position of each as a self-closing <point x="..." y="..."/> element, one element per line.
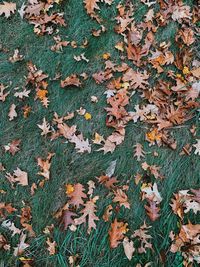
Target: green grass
<point x="181" y="172"/>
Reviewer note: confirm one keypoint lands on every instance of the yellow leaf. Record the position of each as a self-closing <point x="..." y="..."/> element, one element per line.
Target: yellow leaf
<point x="69" y="189"/>
<point x="125" y="85"/>
<point x="88" y="116"/>
<point x="106" y="56"/>
<point x="120" y="46"/>
<point x="41" y="94"/>
<point x="186" y="70"/>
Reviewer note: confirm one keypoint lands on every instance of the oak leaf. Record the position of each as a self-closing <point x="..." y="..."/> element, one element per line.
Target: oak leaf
<point x="122" y="198"/>
<point x="51" y="246"/>
<point x="139" y="152"/>
<point x="67" y="218"/>
<point x="7" y="8"/>
<point x="13" y="147"/>
<point x="71" y="80"/>
<point x="45" y="127"/>
<point x="91" y="5"/>
<point x="12" y="112"/>
<point x="116" y="233"/>
<point x="88" y="212"/>
<point x="76" y="197"/>
<point x="45" y="166"/>
<point x="152" y="210"/>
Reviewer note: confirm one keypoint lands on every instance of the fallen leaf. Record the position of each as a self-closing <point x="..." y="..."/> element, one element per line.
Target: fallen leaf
<point x="128" y="248"/>
<point x="116" y="233"/>
<point x="88" y="212"/>
<point x="7" y="8"/>
<point x="12" y="112"/>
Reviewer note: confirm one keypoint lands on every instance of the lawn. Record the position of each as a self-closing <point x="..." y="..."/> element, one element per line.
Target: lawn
<point x="68" y="167"/>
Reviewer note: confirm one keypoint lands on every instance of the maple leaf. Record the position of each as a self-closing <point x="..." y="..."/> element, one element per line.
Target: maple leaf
<point x="71" y="80"/>
<point x="122" y="198"/>
<point x="13" y="147"/>
<point x="51" y="246"/>
<point x="45" y="166"/>
<point x="152" y="210"/>
<point x="139" y="152"/>
<point x="67" y="218"/>
<point x="7" y="8"/>
<point x="12" y="112"/>
<point x="76" y="197"/>
<point x="45" y="127"/>
<point x="88" y="211"/>
<point x="116" y="233"/>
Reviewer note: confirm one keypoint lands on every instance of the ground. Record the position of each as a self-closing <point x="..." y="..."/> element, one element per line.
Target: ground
<point x="68" y="166"/>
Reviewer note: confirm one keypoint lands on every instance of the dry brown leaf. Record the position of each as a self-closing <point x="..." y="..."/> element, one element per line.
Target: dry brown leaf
<point x="116" y="233"/>
<point x="18" y="176"/>
<point x="71" y="80"/>
<point x="91" y="5"/>
<point x="139" y="152"/>
<point x="45" y="127"/>
<point x="67" y="219"/>
<point x="144" y="238"/>
<point x="107" y="214"/>
<point x="51" y="246"/>
<point x="2" y="94"/>
<point x="152" y="210"/>
<point x="89" y="212"/>
<point x="122" y="198"/>
<point x="13" y="147"/>
<point x="128" y="248"/>
<point x="45" y="166"/>
<point x="76" y="196"/>
<point x="21" y="246"/>
<point x="7" y="8"/>
<point x="109" y="182"/>
<point x="12" y="112"/>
